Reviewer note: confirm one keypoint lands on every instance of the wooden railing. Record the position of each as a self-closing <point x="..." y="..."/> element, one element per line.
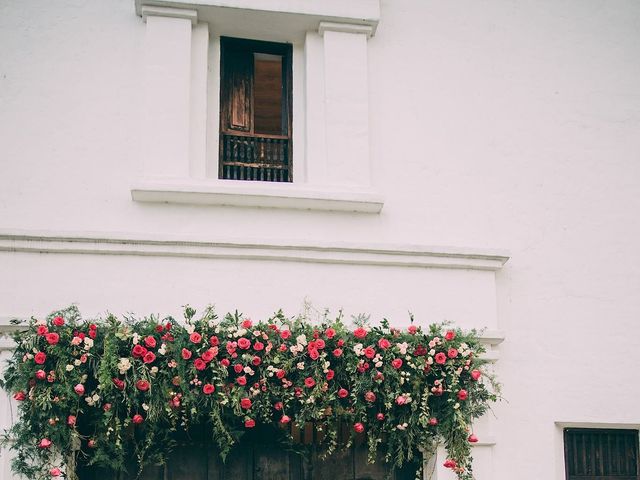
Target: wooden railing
<point x="255" y="157"/>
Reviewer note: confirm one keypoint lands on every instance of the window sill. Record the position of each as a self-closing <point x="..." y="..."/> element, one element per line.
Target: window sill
<point x="258" y="195"/>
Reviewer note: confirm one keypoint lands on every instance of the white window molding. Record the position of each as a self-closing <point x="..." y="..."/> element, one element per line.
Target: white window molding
<point x="331" y="160"/>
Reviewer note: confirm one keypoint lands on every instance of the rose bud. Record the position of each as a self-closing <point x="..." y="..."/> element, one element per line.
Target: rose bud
<point x="44" y="443"/>
<point x="476" y="374"/>
<point x="462" y="395"/>
<point x="433" y="421"/>
<point x="137" y="419"/>
<point x="79" y="389"/>
<point x="380" y="416"/>
<point x="71" y="420"/>
<point x="472" y="438"/>
<point x="91" y="443"/>
<point x="358" y="427"/>
<point x="55" y="472"/>
<point x="285" y="419"/>
<point x="19" y="396"/>
<point x="41" y="374"/>
<point x="106" y="407"/>
<point x="249" y="423"/>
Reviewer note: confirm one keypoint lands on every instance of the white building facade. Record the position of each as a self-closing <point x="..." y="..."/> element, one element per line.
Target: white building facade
<point x="473" y="162"/>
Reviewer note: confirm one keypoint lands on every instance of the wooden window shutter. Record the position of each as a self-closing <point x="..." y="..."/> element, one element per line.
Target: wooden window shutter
<point x="601" y="454"/>
<point x="238" y="74"/>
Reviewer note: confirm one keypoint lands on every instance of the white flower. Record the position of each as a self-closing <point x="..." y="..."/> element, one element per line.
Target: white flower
<point x="68" y="368"/>
<point x="89" y="401"/>
<point x="95" y="397"/>
<point x="136" y="338"/>
<point x="88" y="343"/>
<point x="123" y="365"/>
<point x="242" y="332"/>
<point x="163" y="349"/>
<point x="77" y="362"/>
<point x="357" y="348"/>
<point x="300" y="365"/>
<point x="248" y="370"/>
<point x="432" y="343"/>
<point x="430" y="361"/>
<point x="145" y="407"/>
<point x="257" y="333"/>
<point x="211" y="323"/>
<point x="378" y="364"/>
<point x="154" y="370"/>
<point x="190" y="328"/>
<point x="301" y="340"/>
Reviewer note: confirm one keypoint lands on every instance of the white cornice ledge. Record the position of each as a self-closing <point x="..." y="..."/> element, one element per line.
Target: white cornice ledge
<point x="153" y="11"/>
<point x="253" y="194"/>
<point x="309" y="252"/>
<point x="345" y="28"/>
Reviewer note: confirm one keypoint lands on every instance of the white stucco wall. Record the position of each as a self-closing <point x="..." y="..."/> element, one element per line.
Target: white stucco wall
<point x="510" y="125"/>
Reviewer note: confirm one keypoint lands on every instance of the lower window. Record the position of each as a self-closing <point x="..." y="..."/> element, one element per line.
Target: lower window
<point x="601" y="454"/>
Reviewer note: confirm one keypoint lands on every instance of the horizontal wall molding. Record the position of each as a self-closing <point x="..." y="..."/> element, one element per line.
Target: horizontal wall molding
<point x="316" y="252"/>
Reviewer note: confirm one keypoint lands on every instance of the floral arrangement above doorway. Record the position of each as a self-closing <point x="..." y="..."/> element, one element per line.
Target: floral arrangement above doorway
<point x="99" y="392"/>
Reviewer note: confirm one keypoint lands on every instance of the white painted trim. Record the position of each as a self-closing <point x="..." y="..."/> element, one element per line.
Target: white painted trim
<point x="613" y="426"/>
<point x="154" y="11"/>
<point x="319" y="252"/>
<point x="345" y="28"/>
<point x="257" y="195"/>
<point x="493" y="337"/>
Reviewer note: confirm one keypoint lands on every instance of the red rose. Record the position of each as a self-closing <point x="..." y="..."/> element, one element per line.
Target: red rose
<point x="314" y="354"/>
<point x="42" y="330"/>
<point x="149" y="357"/>
<point x="118" y="383"/>
<point x="92" y="334"/>
<point x="245" y="403"/>
<point x="71" y="420"/>
<point x="369" y="352"/>
<point x="360" y="332"/>
<point x="246" y="323"/>
<point x="213" y="341"/>
<point x="370" y="397"/>
<point x="256" y="361"/>
<point x="309" y="382"/>
<point x="343" y="392"/>
<point x="58" y="321"/>
<point x="401" y="400"/>
<point x="257" y="346"/>
<point x="280" y="373"/>
<point x="208" y="389"/>
<point x="420" y="351"/>
<point x="330" y="333"/>
<point x="225" y="362"/>
<point x="186" y="354"/>
<point x="195" y="337"/>
<point x="450" y="464"/>
<point x="41" y="374"/>
<point x="199" y="364"/>
<point x="476" y="374"/>
<point x="159" y="328"/>
<point x="40" y="358"/>
<point x="138" y="351"/>
<point x="138" y="419"/>
<point x="55" y="472"/>
<point x="380" y="416"/>
<point x="396" y="363"/>
<point x="278" y="406"/>
<point x="472" y="438"/>
<point x="44" y="443"/>
<point x="340" y="342"/>
<point x="142" y="385"/>
<point x="19" y="396"/>
<point x="79" y="389"/>
<point x="358" y="427"/>
<point x="208" y="355"/>
<point x="383" y="343"/>
<point x="242" y="380"/>
<point x="452" y="353"/>
<point x="167" y="326"/>
<point x="412" y="329"/>
<point x="244" y="343"/>
<point x="320" y="344"/>
<point x="284" y="334"/>
<point x="450" y="335"/>
<point x="249" y="423"/>
<point x="150" y="341"/>
<point x="330" y="374"/>
<point x="441" y="358"/>
<point x="462" y="394"/>
<point x="337" y="352"/>
<point x="238" y="368"/>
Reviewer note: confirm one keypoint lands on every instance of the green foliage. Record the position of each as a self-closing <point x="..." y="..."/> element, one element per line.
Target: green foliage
<point x="123" y="393"/>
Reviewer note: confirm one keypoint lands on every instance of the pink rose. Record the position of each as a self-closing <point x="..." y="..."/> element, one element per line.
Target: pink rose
<point x="225" y="362"/>
<point x="19" y="396"/>
<point x="412" y="329"/>
<point x="320" y="344"/>
<point x="360" y="332"/>
<point x="257" y="346"/>
<point x="55" y="472"/>
<point x="309" y="382"/>
<point x="358" y="427"/>
<point x="433" y="421"/>
<point x="208" y="355"/>
<point x="462" y="394"/>
<point x="330" y="333"/>
<point x="440" y="358"/>
<point x="450" y="464"/>
<point x="370" y="397"/>
<point x="244" y="343"/>
<point x="40" y="358"/>
<point x="41" y="374"/>
<point x="343" y="393"/>
<point x="369" y="352"/>
<point x="52" y="338"/>
<point x="208" y="389"/>
<point x="280" y="373"/>
<point x="58" y="321"/>
<point x="213" y="341"/>
<point x="142" y="385"/>
<point x="150" y="342"/>
<point x="380" y="416"/>
<point x="195" y="337"/>
<point x="383" y="343"/>
<point x="246" y="323"/>
<point x="401" y="400"/>
<point x="256" y="361"/>
<point x="186" y="354"/>
<point x="138" y="351"/>
<point x="149" y="357"/>
<point x="330" y="374"/>
<point x="472" y="438"/>
<point x="450" y="335"/>
<point x="79" y="389"/>
<point x="199" y="364"/>
<point x="118" y="383"/>
<point x="249" y="423"/>
<point x="71" y="420"/>
<point x="337" y="352"/>
<point x="137" y="419"/>
<point x="314" y="354"/>
<point x="238" y="368"/>
<point x="242" y="380"/>
<point x="44" y="443"/>
<point x="452" y="353"/>
<point x="476" y="374"/>
<point x="246" y="403"/>
<point x="42" y="330"/>
<point x="285" y="419"/>
<point x="396" y="363"/>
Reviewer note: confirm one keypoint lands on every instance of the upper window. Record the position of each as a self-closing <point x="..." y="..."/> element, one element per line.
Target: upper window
<point x="255" y="111"/>
<point x="601" y="454"/>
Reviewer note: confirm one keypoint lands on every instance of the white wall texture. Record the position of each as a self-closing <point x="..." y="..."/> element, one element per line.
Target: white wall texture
<point x="496" y="124"/>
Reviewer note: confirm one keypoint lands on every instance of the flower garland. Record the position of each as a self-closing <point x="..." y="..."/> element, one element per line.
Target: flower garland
<point x="93" y="392"/>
